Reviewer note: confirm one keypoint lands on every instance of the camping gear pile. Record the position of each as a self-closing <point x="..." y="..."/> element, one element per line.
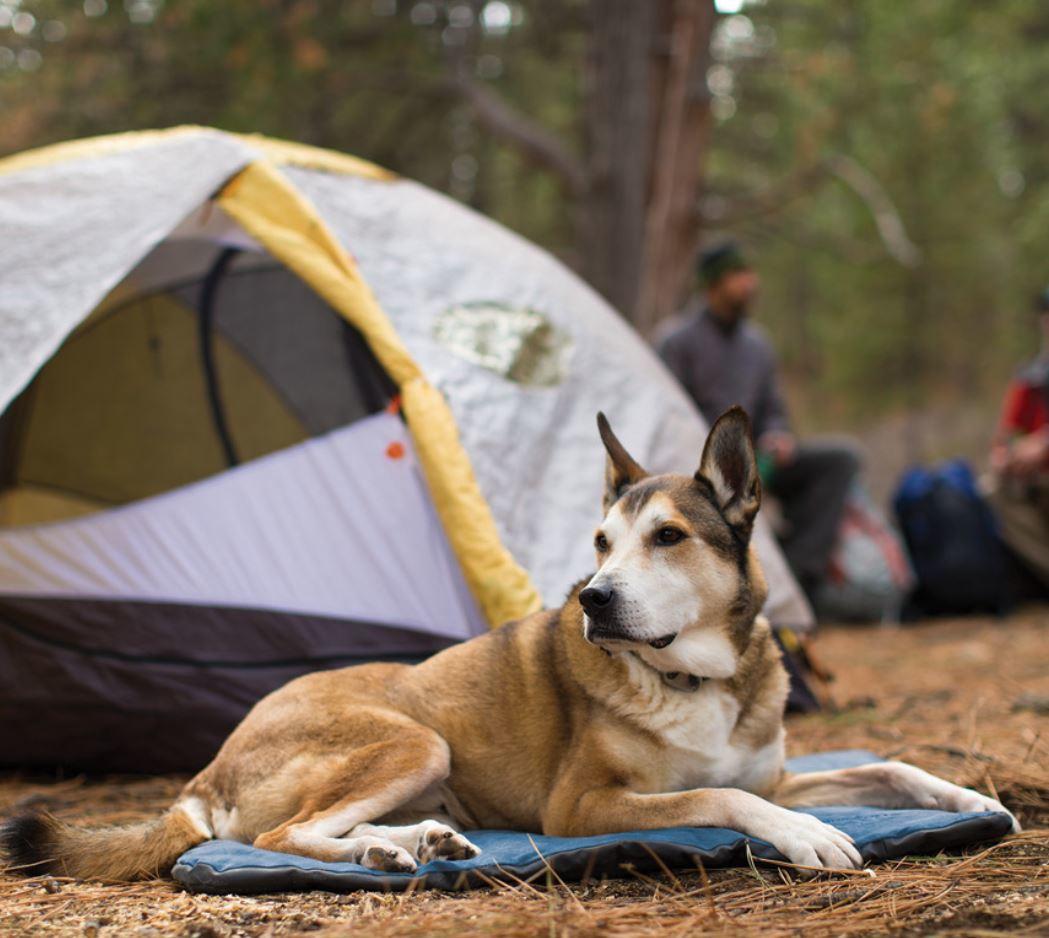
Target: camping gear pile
<point x="948" y="558"/>
<point x="266" y="409"/>
<point x="953" y="540"/>
<point x="869" y="577"/>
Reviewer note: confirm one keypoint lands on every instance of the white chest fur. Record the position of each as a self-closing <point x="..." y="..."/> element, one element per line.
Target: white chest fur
<point x="698" y="730"/>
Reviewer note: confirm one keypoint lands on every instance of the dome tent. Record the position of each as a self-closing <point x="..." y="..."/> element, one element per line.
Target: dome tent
<point x="268" y="408"/>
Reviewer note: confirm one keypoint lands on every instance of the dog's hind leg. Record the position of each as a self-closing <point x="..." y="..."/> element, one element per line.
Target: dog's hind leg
<point x="425" y="841"/>
<point x="346" y="790"/>
<point x="882" y="785"/>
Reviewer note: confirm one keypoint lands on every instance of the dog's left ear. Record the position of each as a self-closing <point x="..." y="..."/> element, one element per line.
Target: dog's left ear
<point x="730" y="468"/>
<point x="621" y="470"/>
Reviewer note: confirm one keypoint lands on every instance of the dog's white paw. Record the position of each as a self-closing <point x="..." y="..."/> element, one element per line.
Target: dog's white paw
<point x="929" y="791"/>
<point x="389" y="858"/>
<point x="440" y="842"/>
<point x="807" y="841"/>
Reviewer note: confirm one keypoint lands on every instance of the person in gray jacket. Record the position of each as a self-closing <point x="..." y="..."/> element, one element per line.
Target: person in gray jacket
<point x="722" y="358"/>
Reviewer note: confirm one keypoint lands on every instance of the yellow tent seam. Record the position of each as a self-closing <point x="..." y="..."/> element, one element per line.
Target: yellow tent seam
<point x="281" y="152"/>
<point x="272" y="211"/>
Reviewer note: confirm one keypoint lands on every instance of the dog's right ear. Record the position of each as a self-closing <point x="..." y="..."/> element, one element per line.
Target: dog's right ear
<point x="730" y="468"/>
<point x="621" y="471"/>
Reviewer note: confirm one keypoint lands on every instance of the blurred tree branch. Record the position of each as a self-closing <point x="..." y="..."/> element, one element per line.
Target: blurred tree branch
<point x="888" y="221"/>
<point x="887" y="218"/>
<point x="538" y="144"/>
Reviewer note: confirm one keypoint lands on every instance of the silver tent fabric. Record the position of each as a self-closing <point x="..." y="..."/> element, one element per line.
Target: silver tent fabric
<point x="75" y="228"/>
<point x="331" y="527"/>
<point x="535" y="450"/>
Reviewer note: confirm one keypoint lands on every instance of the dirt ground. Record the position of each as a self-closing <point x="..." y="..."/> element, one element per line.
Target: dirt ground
<point x="967" y="699"/>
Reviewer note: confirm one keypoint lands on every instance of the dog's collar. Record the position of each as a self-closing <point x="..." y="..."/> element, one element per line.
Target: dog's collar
<point x="676" y="680"/>
<point x="679" y="680"/>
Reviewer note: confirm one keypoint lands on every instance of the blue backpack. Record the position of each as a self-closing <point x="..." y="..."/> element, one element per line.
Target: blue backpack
<point x="953" y="541"/>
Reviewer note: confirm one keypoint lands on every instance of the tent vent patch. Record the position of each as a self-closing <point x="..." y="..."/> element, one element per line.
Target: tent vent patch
<point x="517" y="343"/>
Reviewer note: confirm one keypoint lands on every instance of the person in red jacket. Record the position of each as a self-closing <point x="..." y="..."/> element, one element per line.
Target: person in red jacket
<point x="1020" y="459"/>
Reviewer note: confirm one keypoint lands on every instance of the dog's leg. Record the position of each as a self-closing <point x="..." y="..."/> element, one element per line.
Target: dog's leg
<point x="801" y="838"/>
<point x="375" y="853"/>
<point x="349" y="790"/>
<point x="882" y="785"/>
<point x="425" y="841"/>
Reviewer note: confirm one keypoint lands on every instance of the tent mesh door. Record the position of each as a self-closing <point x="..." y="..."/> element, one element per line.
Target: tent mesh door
<point x="170" y="386"/>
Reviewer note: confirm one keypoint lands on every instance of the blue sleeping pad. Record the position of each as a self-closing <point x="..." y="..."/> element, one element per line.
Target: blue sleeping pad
<point x="222" y="866"/>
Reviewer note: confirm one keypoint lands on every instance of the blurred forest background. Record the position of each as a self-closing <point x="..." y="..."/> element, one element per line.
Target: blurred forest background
<point x="882" y="162"/>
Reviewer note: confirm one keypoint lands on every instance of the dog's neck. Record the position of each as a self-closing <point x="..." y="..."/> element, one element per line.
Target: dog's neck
<point x="675" y="680"/>
<point x="703" y="650"/>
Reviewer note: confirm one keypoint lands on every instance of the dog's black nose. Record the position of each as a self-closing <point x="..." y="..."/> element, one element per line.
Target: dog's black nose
<point x="596" y="599"/>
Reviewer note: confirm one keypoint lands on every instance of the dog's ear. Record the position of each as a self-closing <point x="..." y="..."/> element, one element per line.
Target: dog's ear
<point x="621" y="470"/>
<point x="730" y="468"/>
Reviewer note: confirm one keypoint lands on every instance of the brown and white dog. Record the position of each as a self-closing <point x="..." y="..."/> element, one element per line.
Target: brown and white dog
<point x="652" y="698"/>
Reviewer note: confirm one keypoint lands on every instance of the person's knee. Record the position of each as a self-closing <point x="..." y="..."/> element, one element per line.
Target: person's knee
<point x="849" y="458"/>
<point x="841" y="457"/>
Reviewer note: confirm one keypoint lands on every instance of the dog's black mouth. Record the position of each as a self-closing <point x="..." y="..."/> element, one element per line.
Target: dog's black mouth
<point x="597" y="633"/>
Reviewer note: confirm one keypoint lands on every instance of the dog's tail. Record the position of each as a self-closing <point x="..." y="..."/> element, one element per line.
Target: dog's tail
<point x="36" y="842"/>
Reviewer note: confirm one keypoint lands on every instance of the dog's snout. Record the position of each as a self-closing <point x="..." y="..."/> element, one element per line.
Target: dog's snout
<point x="596" y="599"/>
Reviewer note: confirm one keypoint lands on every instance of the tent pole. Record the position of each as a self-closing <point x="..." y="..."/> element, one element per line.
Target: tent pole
<point x="208" y="292"/>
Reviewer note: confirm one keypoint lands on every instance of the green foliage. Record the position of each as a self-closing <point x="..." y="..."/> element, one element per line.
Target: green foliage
<point x="940" y="102"/>
<point x="370" y="78"/>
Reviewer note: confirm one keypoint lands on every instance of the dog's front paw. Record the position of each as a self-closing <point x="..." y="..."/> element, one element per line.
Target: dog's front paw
<point x="808" y="841"/>
<point x="929" y="791"/>
<point x="967" y="801"/>
<point x="388" y="858"/>
<point x="440" y="842"/>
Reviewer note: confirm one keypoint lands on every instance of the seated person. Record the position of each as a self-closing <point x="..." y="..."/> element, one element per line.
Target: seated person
<point x="721" y="359"/>
<point x="1020" y="459"/>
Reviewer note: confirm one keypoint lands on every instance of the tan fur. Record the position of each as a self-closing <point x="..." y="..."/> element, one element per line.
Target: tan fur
<point x="114" y="854"/>
<point x="536" y="726"/>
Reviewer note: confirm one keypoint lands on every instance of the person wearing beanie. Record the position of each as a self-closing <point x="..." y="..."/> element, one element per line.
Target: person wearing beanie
<point x="722" y="358"/>
<point x="1020" y="458"/>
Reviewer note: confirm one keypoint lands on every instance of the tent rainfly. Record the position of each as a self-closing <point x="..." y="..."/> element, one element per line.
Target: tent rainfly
<point x="265" y="409"/>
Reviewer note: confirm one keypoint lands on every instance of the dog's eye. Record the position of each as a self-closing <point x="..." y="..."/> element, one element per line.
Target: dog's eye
<point x="668" y="535"/>
<point x="601" y="543"/>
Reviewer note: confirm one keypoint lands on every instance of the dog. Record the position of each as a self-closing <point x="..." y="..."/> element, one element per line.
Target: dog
<point x="652" y="698"/>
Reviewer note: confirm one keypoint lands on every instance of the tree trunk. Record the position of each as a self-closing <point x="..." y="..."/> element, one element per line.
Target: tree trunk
<point x="679" y="146"/>
<point x="617" y="125"/>
<point x="647" y="125"/>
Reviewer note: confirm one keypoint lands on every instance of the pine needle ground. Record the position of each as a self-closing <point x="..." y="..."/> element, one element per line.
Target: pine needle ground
<point x="968" y="699"/>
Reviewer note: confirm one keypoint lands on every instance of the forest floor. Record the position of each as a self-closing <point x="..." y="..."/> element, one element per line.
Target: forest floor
<point x="968" y="699"/>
